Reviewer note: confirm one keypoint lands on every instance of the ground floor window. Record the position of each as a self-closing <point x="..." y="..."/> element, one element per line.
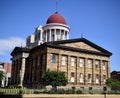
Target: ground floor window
<point x="72" y="77"/>
<point x="81" y="78"/>
<point x="97" y="78"/>
<point x="89" y="78"/>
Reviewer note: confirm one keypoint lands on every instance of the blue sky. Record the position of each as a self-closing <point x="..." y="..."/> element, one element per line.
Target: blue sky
<point x="98" y="20"/>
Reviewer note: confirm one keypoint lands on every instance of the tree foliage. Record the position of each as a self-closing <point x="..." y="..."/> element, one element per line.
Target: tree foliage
<point x="54" y="78"/>
<point x="113" y="83"/>
<point x="1" y="76"/>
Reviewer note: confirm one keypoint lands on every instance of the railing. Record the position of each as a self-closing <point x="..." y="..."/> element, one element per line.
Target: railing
<point x="19" y="91"/>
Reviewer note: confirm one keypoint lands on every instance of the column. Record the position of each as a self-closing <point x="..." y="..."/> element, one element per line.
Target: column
<point x="64" y="35"/>
<point x="93" y="72"/>
<point x="41" y="36"/>
<point x="77" y="72"/>
<point x="22" y="71"/>
<point x="15" y="73"/>
<point x="101" y="73"/>
<point x="68" y="69"/>
<point x="45" y="36"/>
<point x="85" y="72"/>
<point x="13" y="68"/>
<point x="50" y="35"/>
<point x="58" y="62"/>
<point x="67" y="35"/>
<point x="55" y="34"/>
<point x="60" y="35"/>
<point x="108" y="69"/>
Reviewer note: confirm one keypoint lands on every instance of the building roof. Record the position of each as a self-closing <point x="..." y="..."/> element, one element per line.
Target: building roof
<point x="116" y="72"/>
<point x="58" y="44"/>
<point x="19" y="50"/>
<point x="56" y="18"/>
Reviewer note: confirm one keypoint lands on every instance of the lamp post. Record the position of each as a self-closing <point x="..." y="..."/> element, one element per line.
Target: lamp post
<point x="104" y="89"/>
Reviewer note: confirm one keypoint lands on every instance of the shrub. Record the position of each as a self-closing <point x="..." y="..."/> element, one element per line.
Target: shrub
<point x="78" y="92"/>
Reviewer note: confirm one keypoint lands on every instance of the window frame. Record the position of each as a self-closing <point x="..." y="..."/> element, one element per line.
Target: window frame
<point x="81" y="62"/>
<point x="73" y="61"/>
<point x="54" y="58"/>
<point x="90" y="62"/>
<point x="89" y="78"/>
<point x="97" y="78"/>
<point x="64" y="61"/>
<point x="72" y="77"/>
<point x="81" y="78"/>
<point x="97" y="64"/>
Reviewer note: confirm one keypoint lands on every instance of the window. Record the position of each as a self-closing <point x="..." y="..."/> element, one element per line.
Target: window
<point x="81" y="77"/>
<point x="104" y="65"/>
<point x="97" y="64"/>
<point x="97" y="78"/>
<point x="73" y="61"/>
<point x="64" y="60"/>
<point x="89" y="78"/>
<point x="54" y="58"/>
<point x="89" y="63"/>
<point x="72" y="77"/>
<point x="82" y="62"/>
<point x="104" y="79"/>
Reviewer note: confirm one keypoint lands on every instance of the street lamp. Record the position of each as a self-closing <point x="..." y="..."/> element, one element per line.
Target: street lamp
<point x="104" y="89"/>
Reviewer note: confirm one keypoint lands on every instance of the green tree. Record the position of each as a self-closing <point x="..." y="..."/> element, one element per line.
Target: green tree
<point x="114" y="84"/>
<point x="1" y="77"/>
<point x="54" y="78"/>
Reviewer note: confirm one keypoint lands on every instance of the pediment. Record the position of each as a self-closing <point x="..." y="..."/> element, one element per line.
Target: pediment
<point x="81" y="45"/>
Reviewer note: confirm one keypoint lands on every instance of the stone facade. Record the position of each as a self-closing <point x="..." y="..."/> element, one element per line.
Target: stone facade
<point x="84" y="63"/>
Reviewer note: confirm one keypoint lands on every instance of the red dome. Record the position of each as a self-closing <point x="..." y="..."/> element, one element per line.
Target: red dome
<point x="56" y="18"/>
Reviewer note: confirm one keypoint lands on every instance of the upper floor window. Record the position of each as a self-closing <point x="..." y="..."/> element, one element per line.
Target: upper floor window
<point x="64" y="60"/>
<point x="97" y="64"/>
<point x="104" y="65"/>
<point x="54" y="58"/>
<point x="89" y="63"/>
<point x="104" y="79"/>
<point x="73" y="61"/>
<point x="82" y="60"/>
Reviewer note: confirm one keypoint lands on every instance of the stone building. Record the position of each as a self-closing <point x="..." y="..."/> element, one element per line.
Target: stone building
<point x="84" y="63"/>
<point x="115" y="75"/>
<point x="6" y="68"/>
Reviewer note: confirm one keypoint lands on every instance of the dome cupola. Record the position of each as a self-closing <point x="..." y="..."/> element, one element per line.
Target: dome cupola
<point x="56" y="18"/>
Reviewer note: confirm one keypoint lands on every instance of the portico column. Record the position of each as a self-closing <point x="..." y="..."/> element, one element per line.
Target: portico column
<point x="108" y="69"/>
<point x="85" y="72"/>
<point x="22" y="71"/>
<point x="77" y="71"/>
<point x="101" y="73"/>
<point x="93" y="72"/>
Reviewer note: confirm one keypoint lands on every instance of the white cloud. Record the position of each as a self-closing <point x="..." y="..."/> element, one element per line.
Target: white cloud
<point x="10" y="43"/>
